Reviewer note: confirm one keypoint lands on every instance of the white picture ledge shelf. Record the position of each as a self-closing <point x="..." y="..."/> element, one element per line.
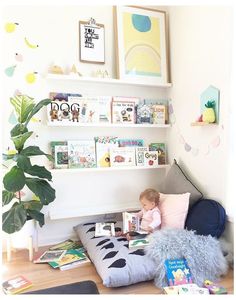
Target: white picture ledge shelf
<point x="110" y="169"/>
<point x="102" y="80"/>
<point x="77" y="124"/>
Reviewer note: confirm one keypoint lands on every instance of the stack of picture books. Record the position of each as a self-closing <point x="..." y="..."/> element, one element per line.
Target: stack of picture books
<point x="64" y="256"/>
<point x="107" y="151"/>
<point x="16" y="284"/>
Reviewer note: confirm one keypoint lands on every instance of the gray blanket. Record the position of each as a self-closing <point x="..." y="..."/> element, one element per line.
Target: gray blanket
<point x="203" y="254"/>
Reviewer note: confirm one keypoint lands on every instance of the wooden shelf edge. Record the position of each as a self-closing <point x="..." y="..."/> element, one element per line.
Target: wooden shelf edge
<point x="202" y="124"/>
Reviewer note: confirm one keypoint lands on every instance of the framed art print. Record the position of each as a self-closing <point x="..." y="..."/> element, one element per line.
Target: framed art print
<point x="141" y="44"/>
<point x="92" y="42"/>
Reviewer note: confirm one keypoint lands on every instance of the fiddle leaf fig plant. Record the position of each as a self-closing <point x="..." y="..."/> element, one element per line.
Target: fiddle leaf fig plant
<point x="23" y="173"/>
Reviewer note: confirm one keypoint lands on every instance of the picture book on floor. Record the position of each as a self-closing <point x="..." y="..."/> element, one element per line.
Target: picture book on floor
<point x="182" y="289"/>
<point x="177" y="271"/>
<point x="50" y="255"/>
<point x="69" y="257"/>
<point x="75" y="264"/>
<point x="104" y="229"/>
<point x="67" y="245"/>
<point x="214" y="288"/>
<point x="16" y="284"/>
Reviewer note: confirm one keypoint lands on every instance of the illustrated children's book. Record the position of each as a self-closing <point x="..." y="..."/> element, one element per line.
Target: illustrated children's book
<point x="67" y="245"/>
<point x="139" y="153"/>
<point x="49" y="256"/>
<point x="182" y="289"/>
<point x="59" y="152"/>
<point x="214" y="288"/>
<point x="16" y="284"/>
<point x="161" y="149"/>
<point x="104" y="229"/>
<point x="103" y="147"/>
<point x="158" y="114"/>
<point x="177" y="271"/>
<point x="70" y="256"/>
<point x="122" y="156"/>
<point x="131" y="223"/>
<point x="104" y="109"/>
<point x="88" y="109"/>
<point x="131" y="142"/>
<point x="75" y="264"/>
<point x="138" y="243"/>
<point x="123" y="112"/>
<point x="81" y="154"/>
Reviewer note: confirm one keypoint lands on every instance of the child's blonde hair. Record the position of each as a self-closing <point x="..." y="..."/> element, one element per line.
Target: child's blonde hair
<point x="151" y="195"/>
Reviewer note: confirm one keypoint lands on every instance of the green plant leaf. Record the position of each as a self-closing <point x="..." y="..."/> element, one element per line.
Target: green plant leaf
<point x="7" y="197"/>
<point x="36" y="108"/>
<point x="14" y="180"/>
<point x="34" y="151"/>
<point x="36" y="215"/>
<point x="19" y="140"/>
<point x="33" y="205"/>
<point x="23" y="105"/>
<point x="40" y="172"/>
<point x="14" y="219"/>
<point x="23" y="162"/>
<point x="42" y="189"/>
<point x="18" y="129"/>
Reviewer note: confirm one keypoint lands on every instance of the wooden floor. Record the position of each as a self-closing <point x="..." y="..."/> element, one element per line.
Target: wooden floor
<point x="43" y="276"/>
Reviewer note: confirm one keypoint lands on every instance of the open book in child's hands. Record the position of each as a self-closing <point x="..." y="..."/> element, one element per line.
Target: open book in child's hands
<point x="131" y="223"/>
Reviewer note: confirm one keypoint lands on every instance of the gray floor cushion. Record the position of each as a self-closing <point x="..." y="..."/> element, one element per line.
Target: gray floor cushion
<point x="115" y="263"/>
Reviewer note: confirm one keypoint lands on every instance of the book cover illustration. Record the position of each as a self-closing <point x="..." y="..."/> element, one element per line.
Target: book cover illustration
<point x="104" y="229"/>
<point x="122" y="156"/>
<point x="139" y="243"/>
<point x="161" y="149"/>
<point x="215" y="288"/>
<point x="177" y="272"/>
<point x="75" y="264"/>
<point x="67" y="245"/>
<point x="144" y="114"/>
<point x="62" y="96"/>
<point x="123" y="112"/>
<point x="88" y="109"/>
<point x="16" y="284"/>
<point x="153" y="102"/>
<point x="62" y="162"/>
<point x="131" y="223"/>
<point x="64" y="110"/>
<point x="158" y="114"/>
<point x="49" y="256"/>
<point x="103" y="147"/>
<point x="151" y="158"/>
<point x="104" y="111"/>
<point x="81" y="154"/>
<point x="70" y="256"/>
<point x="131" y="142"/>
<point x="139" y="153"/>
<point x="61" y="156"/>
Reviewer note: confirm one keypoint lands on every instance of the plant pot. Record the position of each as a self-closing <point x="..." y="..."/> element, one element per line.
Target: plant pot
<point x="20" y="239"/>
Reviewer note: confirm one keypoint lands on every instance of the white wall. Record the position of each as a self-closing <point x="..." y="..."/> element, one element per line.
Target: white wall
<point x="201" y="45"/>
<point x="55" y="30"/>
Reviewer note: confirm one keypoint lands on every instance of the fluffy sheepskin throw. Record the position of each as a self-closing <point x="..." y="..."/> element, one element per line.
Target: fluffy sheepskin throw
<point x="203" y="254"/>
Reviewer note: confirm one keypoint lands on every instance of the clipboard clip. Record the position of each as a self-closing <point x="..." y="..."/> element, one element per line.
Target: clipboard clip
<point x="92" y="23"/>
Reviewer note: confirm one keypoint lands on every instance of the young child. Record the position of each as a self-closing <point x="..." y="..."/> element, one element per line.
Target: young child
<point x="150" y="214"/>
